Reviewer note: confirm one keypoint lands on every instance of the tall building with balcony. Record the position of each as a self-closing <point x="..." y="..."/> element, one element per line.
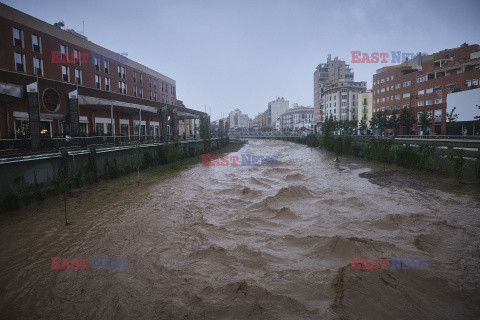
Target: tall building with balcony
<point x="341" y="99"/>
<point x="54" y="82"/>
<point x="365" y="107"/>
<point x="423" y="84"/>
<point x="325" y="75"/>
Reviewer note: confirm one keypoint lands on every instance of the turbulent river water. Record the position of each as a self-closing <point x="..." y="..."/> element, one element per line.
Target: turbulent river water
<point x="254" y="242"/>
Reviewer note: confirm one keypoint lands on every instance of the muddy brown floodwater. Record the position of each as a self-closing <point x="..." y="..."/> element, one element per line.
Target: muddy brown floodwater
<point x="254" y="243"/>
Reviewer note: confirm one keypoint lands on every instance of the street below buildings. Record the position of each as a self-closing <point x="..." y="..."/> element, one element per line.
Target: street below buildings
<point x="251" y="242"/>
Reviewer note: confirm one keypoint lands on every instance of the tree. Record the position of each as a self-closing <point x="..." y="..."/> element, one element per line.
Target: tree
<point x="407" y="120"/>
<point x="379" y="121"/>
<point x="425" y="120"/>
<point x="329" y="126"/>
<point x="59" y="24"/>
<point x="363" y="127"/>
<point x="451" y="116"/>
<point x="394" y="122"/>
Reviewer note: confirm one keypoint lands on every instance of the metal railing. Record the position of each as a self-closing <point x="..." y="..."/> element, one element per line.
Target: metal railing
<point x="81" y="142"/>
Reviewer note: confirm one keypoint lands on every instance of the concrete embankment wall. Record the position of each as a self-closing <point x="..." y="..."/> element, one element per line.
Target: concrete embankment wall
<point x="29" y="178"/>
<point x="455" y="158"/>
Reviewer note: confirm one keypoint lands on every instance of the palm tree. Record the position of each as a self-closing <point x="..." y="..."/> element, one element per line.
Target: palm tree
<point x="407" y="120"/>
<point x="425" y="120"/>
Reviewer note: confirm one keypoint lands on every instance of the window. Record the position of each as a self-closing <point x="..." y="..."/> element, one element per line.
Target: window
<point x="150" y="82"/>
<point x="429" y="90"/>
<point x="407" y="83"/>
<point x="468" y="83"/>
<point x="120" y="86"/>
<point x="150" y="94"/>
<point x="63" y="51"/>
<point x="422" y="78"/>
<point x="99" y="128"/>
<point x="141" y="79"/>
<point x="344" y="97"/>
<point x="135" y="90"/>
<point x="391" y="78"/>
<point x="107" y="84"/>
<point x="36" y="43"/>
<point x="20" y="62"/>
<point x="155" y="96"/>
<point x="420" y="92"/>
<point x="405" y="105"/>
<point x="173" y="90"/>
<point x="154" y="83"/>
<point x="420" y="103"/>
<point x="38" y="66"/>
<point x="475" y="82"/>
<point x="98" y="83"/>
<point x="124" y="86"/>
<point x="122" y="72"/>
<point x="106" y="66"/>
<point x="397" y="96"/>
<point x="134" y="76"/>
<point x="438" y="101"/>
<point x="141" y="89"/>
<point x="397" y="86"/>
<point x="76" y="56"/>
<point x="17" y="37"/>
<point x="383" y="99"/>
<point x="382" y="81"/>
<point x="429" y="102"/>
<point x="382" y="90"/>
<point x="406" y="95"/>
<point x="66" y="73"/>
<point x="388" y="78"/>
<point x="78" y="76"/>
<point x="96" y="62"/>
<point x="451" y="87"/>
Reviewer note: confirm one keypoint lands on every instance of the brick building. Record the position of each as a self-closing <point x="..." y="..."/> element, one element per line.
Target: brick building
<point x="424" y="82"/>
<point x="54" y="82"/>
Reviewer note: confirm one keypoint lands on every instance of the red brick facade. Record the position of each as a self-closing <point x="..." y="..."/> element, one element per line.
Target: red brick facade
<point x="136" y="76"/>
<point x="426" y="82"/>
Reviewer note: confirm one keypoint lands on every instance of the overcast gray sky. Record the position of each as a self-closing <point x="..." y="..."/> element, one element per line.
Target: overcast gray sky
<point x="226" y="54"/>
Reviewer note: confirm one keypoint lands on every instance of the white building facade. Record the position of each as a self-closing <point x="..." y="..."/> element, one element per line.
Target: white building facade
<point x="239" y="120"/>
<point x="275" y="109"/>
<point x="296" y="119"/>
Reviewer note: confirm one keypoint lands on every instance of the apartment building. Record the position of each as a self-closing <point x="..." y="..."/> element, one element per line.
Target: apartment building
<point x="239" y="120"/>
<point x="364" y="108"/>
<point x="424" y="83"/>
<point x="54" y="82"/>
<point x="275" y="109"/>
<point x="341" y="99"/>
<point x="324" y="75"/>
<point x="297" y="118"/>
